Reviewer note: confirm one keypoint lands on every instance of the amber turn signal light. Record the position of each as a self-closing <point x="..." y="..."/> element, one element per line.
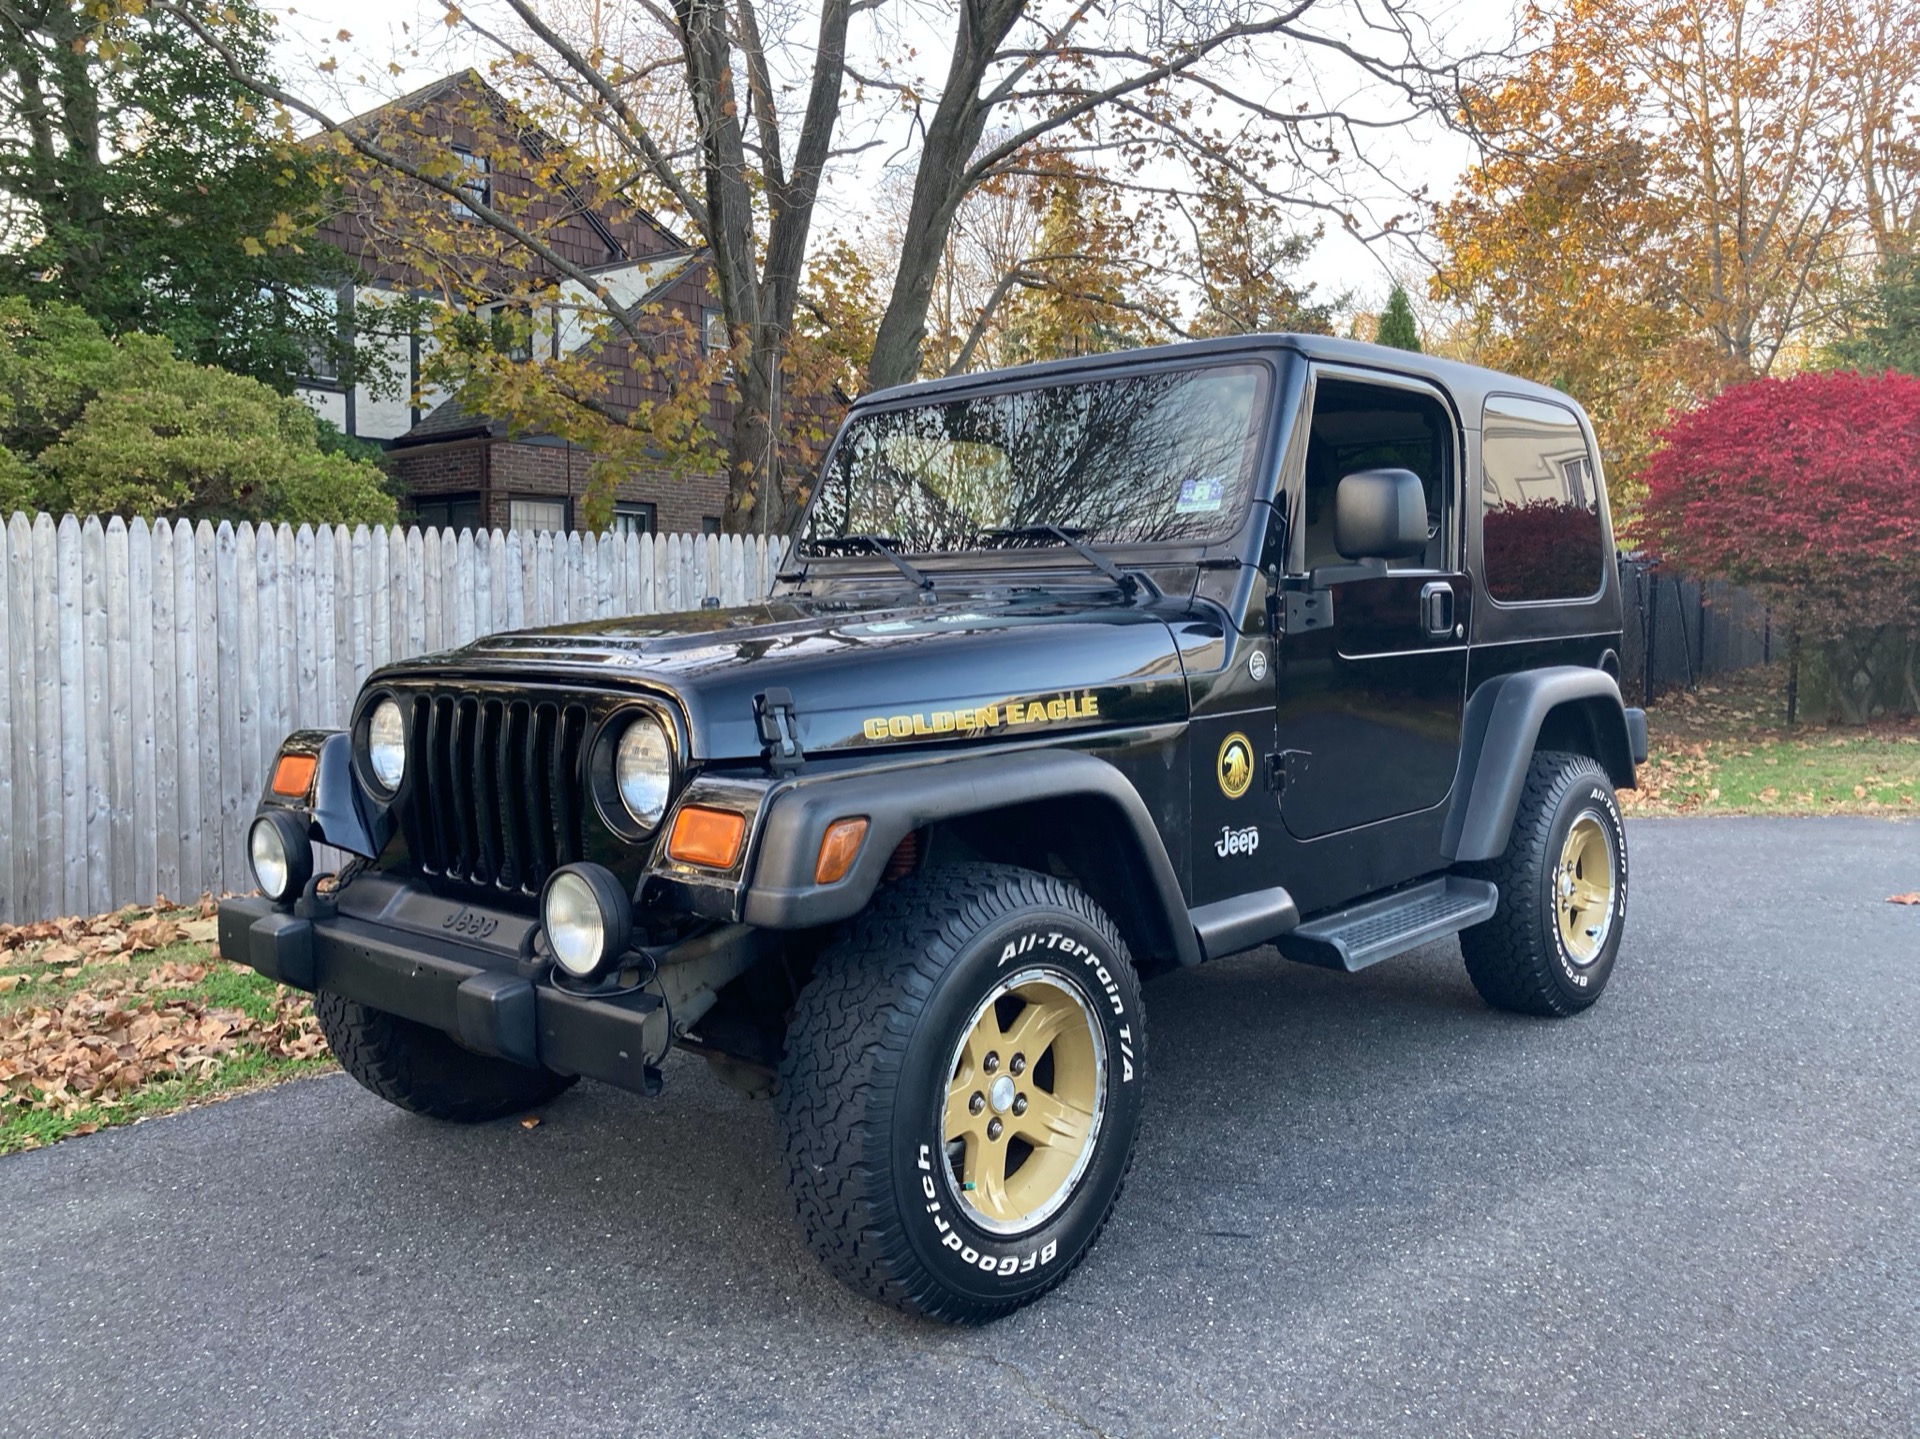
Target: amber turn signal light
<point x="838" y="847"/>
<point x="709" y="837"/>
<point x="293" y="775"/>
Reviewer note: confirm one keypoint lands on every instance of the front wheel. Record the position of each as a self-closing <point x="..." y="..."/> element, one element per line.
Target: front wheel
<point x="1550" y="946"/>
<point x="962" y="1089"/>
<point x="423" y="1070"/>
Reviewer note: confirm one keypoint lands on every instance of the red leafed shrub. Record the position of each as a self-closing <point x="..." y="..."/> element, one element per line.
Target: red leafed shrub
<point x="1807" y="489"/>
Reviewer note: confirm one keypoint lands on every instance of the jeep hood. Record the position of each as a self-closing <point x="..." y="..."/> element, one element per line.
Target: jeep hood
<point x="892" y="675"/>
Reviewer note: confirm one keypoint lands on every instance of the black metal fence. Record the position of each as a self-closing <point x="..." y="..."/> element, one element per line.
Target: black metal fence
<point x="1677" y="630"/>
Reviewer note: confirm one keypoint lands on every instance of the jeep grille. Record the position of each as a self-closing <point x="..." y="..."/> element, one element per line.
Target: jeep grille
<point x="497" y="796"/>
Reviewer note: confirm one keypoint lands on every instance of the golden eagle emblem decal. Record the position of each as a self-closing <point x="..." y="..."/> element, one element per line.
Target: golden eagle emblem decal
<point x="1234" y="769"/>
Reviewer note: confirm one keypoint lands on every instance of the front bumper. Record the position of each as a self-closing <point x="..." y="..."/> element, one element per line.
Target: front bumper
<point x="479" y="992"/>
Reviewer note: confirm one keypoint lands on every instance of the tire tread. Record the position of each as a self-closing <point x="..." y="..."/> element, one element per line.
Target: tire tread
<point x="1503" y="954"/>
<point x="846" y="1048"/>
<point x="419" y="1069"/>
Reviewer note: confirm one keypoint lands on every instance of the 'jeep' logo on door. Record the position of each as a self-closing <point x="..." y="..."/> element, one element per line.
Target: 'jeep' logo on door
<point x="1237" y="841"/>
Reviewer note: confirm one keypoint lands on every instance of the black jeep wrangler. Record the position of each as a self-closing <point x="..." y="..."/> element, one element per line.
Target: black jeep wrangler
<point x="1077" y="673"/>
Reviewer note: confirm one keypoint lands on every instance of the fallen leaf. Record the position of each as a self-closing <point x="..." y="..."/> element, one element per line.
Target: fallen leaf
<point x="11" y="981"/>
<point x="60" y="952"/>
<point x="1913" y="898"/>
<point x="201" y="931"/>
<point x="532" y="1121"/>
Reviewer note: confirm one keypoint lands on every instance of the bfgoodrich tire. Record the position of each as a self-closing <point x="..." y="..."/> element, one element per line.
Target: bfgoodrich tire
<point x="1550" y="947"/>
<point x="962" y="1089"/>
<point x="423" y="1070"/>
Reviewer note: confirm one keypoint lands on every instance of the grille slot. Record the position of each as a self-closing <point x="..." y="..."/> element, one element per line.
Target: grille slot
<point x="498" y="795"/>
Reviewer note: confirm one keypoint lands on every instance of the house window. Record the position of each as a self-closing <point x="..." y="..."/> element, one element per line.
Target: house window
<point x="709" y="524"/>
<point x="472" y="180"/>
<point x="510" y="330"/>
<point x="537" y="515"/>
<point x="713" y="331"/>
<point x="635" y="519"/>
<point x="447" y="512"/>
<point x="329" y="311"/>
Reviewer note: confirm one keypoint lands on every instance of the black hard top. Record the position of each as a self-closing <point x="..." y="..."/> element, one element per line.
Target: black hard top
<point x="1468" y="384"/>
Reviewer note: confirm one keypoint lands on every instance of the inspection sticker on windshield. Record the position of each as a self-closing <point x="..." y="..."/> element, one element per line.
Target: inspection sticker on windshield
<point x="1200" y="496"/>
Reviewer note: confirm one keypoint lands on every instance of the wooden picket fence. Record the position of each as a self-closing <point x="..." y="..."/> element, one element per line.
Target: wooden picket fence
<point x="150" y="670"/>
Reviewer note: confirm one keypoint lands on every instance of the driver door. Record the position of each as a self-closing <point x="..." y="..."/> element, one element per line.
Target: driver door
<point x="1369" y="707"/>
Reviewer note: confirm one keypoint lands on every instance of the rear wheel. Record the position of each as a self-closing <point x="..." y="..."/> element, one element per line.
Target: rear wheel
<point x="1550" y="947"/>
<point x="423" y="1070"/>
<point x="961" y="1091"/>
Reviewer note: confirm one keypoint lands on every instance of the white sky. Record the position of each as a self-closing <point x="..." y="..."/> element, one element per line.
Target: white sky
<point x="415" y="33"/>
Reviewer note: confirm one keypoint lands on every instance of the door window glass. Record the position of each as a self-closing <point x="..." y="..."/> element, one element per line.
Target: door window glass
<point x="1540" y="495"/>
<point x="1358" y="426"/>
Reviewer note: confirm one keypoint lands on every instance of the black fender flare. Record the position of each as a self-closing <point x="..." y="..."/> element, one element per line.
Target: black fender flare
<point x="338" y="811"/>
<point x="1499" y="734"/>
<point x="898" y="800"/>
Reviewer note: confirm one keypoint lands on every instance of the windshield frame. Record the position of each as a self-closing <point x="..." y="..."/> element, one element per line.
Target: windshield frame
<point x="1272" y="357"/>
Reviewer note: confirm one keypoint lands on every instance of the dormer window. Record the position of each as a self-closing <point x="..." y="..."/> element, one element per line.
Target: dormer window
<point x="472" y="180"/>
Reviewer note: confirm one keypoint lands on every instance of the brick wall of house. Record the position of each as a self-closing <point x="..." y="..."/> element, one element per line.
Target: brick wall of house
<point x="527" y="468"/>
<point x="456" y="468"/>
<point x="500" y="471"/>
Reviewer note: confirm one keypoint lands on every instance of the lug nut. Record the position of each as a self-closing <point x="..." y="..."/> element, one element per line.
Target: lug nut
<point x="977" y="1103"/>
<point x="1019" y="1065"/>
<point x="994" y="1127"/>
<point x="991" y="1062"/>
<point x="1020" y="1104"/>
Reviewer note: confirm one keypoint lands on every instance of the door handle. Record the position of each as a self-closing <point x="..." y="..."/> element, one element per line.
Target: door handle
<point x="1436" y="608"/>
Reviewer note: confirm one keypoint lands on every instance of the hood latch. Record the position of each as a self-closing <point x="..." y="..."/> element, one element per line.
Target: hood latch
<point x="779" y="732"/>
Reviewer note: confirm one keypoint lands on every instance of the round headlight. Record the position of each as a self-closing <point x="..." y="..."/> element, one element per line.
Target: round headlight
<point x="587" y="917"/>
<point x="387" y="744"/>
<point x="282" y="858"/>
<point x="574" y="929"/>
<point x="643" y="770"/>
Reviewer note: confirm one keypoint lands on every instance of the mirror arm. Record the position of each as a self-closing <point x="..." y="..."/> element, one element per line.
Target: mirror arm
<point x="1325" y="577"/>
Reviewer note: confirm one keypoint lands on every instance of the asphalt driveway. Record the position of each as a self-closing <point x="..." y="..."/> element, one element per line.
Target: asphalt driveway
<point x="1363" y="1205"/>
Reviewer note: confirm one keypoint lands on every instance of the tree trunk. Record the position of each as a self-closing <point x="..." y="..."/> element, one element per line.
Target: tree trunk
<point x="1844" y="675"/>
<point x="757" y="501"/>
<point x="940" y="184"/>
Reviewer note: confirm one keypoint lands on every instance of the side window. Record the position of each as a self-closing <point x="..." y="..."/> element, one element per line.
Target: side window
<point x="1358" y="426"/>
<point x="1540" y="504"/>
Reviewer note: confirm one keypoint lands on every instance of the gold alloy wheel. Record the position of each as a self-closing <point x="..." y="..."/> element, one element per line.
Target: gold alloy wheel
<point x="1027" y="1091"/>
<point x="1583" y="889"/>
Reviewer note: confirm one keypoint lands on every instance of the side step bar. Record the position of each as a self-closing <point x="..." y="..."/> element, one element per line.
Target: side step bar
<point x="1364" y="934"/>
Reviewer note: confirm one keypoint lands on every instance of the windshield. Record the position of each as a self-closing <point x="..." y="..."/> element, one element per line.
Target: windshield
<point x="1166" y="455"/>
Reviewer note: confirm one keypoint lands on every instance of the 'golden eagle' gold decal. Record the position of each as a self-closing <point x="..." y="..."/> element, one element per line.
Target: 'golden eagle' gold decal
<point x="978" y="719"/>
<point x="1234" y="768"/>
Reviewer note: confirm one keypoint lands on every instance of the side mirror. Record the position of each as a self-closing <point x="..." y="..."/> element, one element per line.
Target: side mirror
<point x="1380" y="515"/>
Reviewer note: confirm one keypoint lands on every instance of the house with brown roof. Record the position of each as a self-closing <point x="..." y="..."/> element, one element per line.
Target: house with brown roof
<point x="462" y="469"/>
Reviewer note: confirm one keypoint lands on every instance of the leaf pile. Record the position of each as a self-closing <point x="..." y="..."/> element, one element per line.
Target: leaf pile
<point x="95" y="1013"/>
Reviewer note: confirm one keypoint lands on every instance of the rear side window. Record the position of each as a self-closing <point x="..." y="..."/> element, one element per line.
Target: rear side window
<point x="1540" y="504"/>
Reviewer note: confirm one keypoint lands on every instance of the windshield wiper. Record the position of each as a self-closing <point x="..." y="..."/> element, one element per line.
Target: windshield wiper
<point x="1131" y="582"/>
<point x="880" y="545"/>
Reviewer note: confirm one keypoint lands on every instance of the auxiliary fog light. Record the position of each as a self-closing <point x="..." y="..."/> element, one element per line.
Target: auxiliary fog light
<point x="587" y="917"/>
<point x="282" y="857"/>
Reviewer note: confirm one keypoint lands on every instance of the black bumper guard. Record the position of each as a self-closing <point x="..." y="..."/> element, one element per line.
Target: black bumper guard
<point x="475" y="993"/>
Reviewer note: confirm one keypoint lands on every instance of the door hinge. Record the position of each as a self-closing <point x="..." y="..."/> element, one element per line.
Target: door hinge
<point x="774" y="717"/>
<point x="1298" y="612"/>
<point x="1281" y="765"/>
